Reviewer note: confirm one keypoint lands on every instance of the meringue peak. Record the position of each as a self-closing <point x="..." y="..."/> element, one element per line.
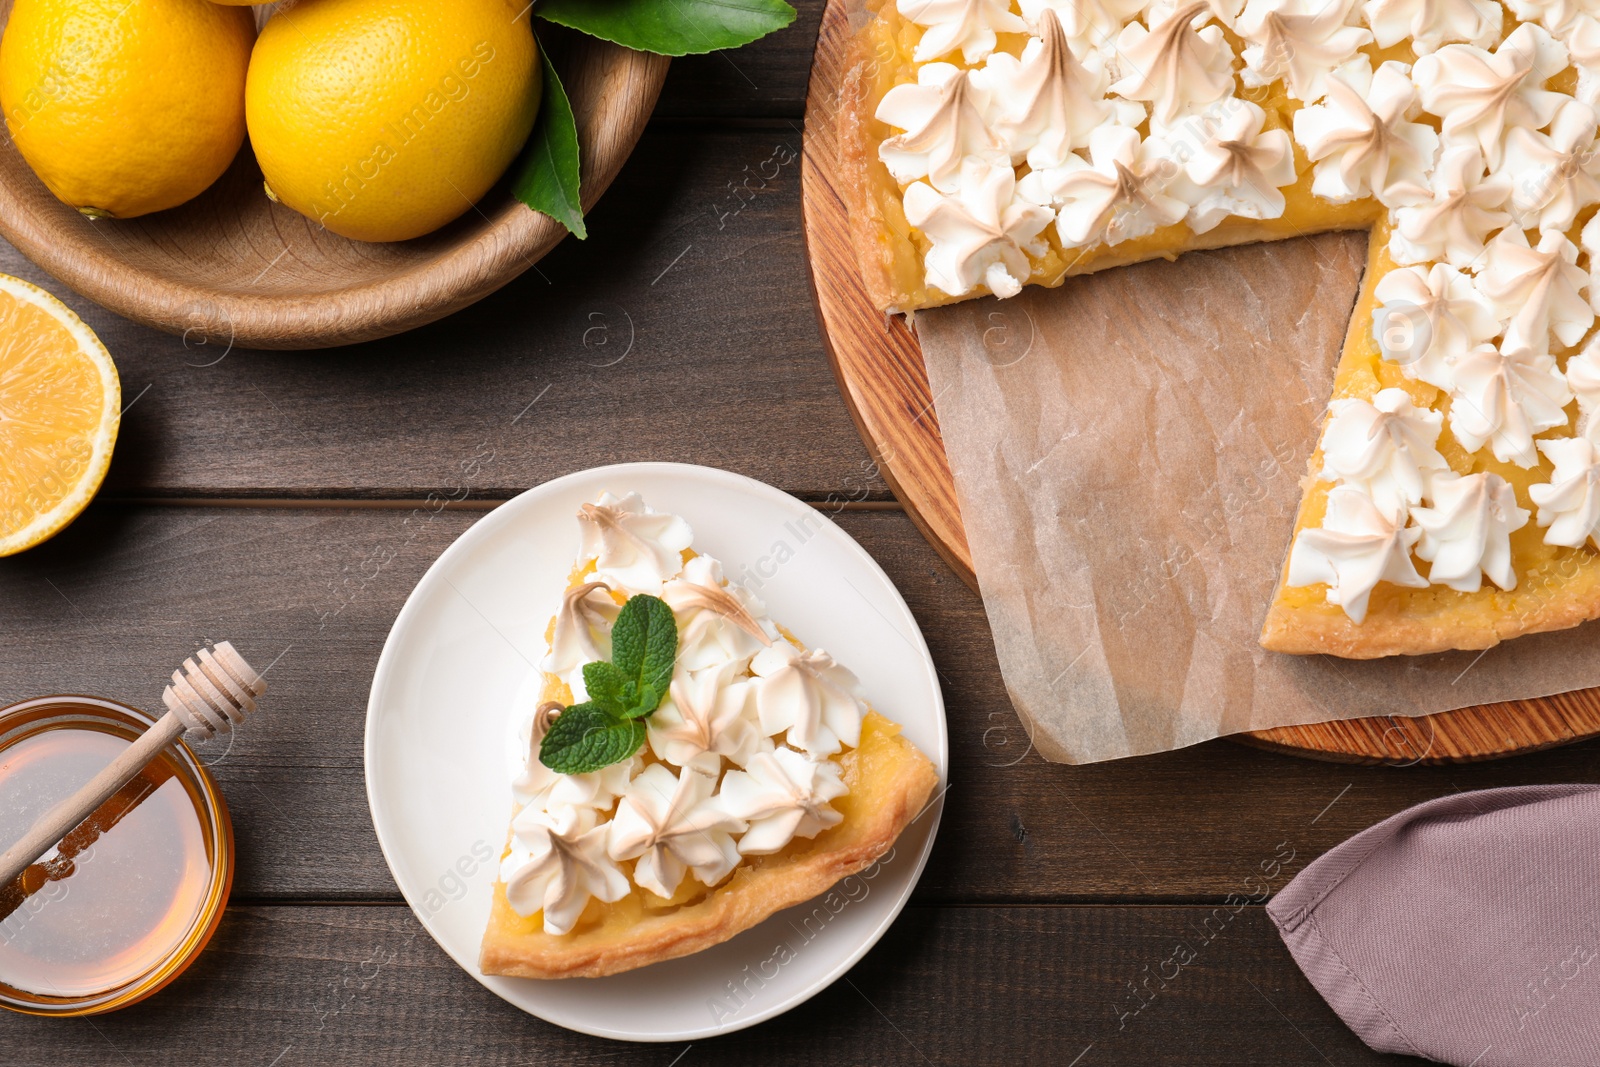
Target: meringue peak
<point x="1466" y="206"/>
<point x="1173" y="63"/>
<point x="1300" y="46"/>
<point x="1557" y="173"/>
<point x="1537" y="290"/>
<point x="1428" y="318"/>
<point x="1357" y="546"/>
<point x="782" y="795"/>
<point x="981" y="235"/>
<point x="967" y="26"/>
<point x="809" y="695"/>
<point x="1478" y="95"/>
<point x="1432" y="23"/>
<point x="943" y="125"/>
<point x="632" y="546"/>
<point x="1385" y="447"/>
<point x="1089" y="24"/>
<point x="716" y="624"/>
<point x="1466" y="535"/>
<point x="557" y="863"/>
<point x="1120" y="196"/>
<point x="1503" y="397"/>
<point x="1235" y="166"/>
<point x="1569" y="505"/>
<point x="582" y="628"/>
<point x="665" y="823"/>
<point x="1361" y="138"/>
<point x="1048" y="102"/>
<point x="706" y="720"/>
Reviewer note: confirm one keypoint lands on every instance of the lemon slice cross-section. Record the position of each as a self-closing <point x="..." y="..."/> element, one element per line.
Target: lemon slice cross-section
<point x="60" y="406"/>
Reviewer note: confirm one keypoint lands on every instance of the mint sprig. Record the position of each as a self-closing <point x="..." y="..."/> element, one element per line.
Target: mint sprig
<point x="609" y="726"/>
<point x="644" y="646"/>
<point x="546" y="177"/>
<point x="587" y="737"/>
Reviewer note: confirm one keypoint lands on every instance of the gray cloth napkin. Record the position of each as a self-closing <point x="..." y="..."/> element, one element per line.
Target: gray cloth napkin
<point x="1465" y="930"/>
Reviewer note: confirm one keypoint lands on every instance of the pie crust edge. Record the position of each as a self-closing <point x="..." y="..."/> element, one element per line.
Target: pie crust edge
<point x="748" y="898"/>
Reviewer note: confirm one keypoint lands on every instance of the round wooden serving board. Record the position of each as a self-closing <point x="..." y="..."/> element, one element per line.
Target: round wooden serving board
<point x="878" y="363"/>
<point x="231" y="268"/>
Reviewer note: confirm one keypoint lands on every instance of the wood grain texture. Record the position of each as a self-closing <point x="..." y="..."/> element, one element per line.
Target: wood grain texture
<point x="696" y="257"/>
<point x="313" y="592"/>
<point x="878" y="362"/>
<point x="231" y="264"/>
<point x="600" y="339"/>
<point x="958" y="986"/>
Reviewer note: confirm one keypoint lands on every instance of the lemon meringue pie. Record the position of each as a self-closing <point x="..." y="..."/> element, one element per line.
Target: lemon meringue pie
<point x="761" y="778"/>
<point x="1454" y="499"/>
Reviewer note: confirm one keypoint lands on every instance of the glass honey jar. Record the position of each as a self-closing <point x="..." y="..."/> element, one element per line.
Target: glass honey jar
<point x="129" y="898"/>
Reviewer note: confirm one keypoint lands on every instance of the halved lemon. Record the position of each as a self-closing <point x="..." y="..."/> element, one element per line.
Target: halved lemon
<point x="60" y="406"/>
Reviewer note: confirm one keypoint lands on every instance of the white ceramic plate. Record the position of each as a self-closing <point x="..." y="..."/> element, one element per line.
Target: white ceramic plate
<point x="438" y="777"/>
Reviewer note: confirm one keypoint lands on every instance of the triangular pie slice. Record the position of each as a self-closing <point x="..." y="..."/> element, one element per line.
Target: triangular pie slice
<point x="1551" y="586"/>
<point x="1454" y="501"/>
<point x="764" y="778"/>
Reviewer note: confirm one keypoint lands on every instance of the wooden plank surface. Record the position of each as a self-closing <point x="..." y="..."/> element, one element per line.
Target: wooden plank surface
<point x="355" y="986"/>
<point x="314" y="591"/>
<point x="1051" y="888"/>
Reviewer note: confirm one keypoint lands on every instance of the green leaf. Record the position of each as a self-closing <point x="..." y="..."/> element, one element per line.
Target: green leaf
<point x="586" y="738"/>
<point x="605" y="685"/>
<point x="546" y="178"/>
<point x="643" y="703"/>
<point x="607" y="728"/>
<point x="644" y="646"/>
<point x="672" y="27"/>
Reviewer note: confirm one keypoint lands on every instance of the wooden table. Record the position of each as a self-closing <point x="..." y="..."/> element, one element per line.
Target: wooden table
<point x="310" y="490"/>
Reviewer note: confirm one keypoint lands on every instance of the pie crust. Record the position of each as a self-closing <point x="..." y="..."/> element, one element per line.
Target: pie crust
<point x="890" y="785"/>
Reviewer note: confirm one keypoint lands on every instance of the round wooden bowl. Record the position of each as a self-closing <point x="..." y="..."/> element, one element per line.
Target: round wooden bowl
<point x="231" y="267"/>
<point x="878" y="363"/>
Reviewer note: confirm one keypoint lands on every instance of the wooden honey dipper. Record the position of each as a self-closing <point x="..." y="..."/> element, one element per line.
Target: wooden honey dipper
<point x="207" y="698"/>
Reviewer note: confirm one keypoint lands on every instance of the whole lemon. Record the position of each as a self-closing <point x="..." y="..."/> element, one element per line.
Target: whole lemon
<point x="385" y="119"/>
<point x="124" y="107"/>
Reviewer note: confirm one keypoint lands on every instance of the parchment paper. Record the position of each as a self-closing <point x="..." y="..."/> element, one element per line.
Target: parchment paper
<point x="1128" y="453"/>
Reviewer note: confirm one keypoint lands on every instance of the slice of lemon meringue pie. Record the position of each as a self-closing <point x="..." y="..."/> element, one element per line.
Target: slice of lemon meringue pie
<point x="690" y="769"/>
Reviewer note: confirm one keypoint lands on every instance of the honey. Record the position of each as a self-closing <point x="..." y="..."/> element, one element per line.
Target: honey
<point x="130" y="896"/>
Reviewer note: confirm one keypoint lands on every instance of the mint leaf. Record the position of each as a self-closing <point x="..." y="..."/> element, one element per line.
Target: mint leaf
<point x="546" y="177"/>
<point x="643" y="703"/>
<point x="586" y="738"/>
<point x="605" y="685"/>
<point x="608" y="727"/>
<point x="671" y="27"/>
<point x="644" y="646"/>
